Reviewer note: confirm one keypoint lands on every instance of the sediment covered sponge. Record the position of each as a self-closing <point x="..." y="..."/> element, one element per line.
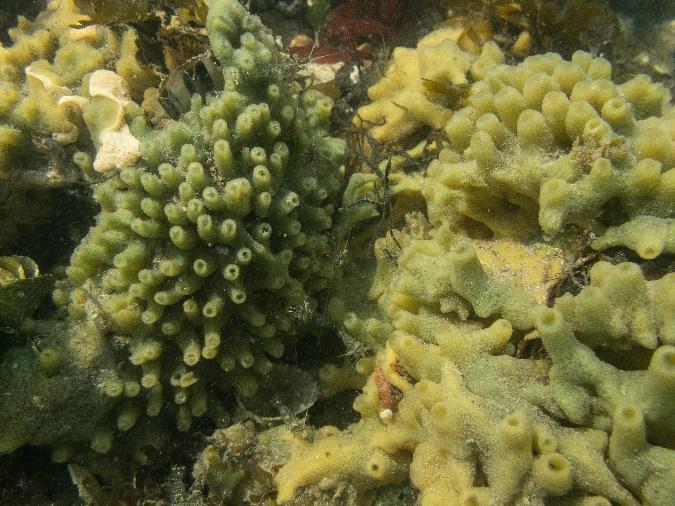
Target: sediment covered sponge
<point x="202" y="249"/>
<point x="497" y="387"/>
<point x="481" y="421"/>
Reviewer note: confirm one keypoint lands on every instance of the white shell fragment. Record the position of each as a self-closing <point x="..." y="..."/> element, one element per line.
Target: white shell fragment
<point x="116" y="147"/>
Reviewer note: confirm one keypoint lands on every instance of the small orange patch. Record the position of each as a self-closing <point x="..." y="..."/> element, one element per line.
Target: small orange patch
<point x="388" y="393"/>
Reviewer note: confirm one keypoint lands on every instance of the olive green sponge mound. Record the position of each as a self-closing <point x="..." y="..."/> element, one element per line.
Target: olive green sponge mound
<point x="201" y="251"/>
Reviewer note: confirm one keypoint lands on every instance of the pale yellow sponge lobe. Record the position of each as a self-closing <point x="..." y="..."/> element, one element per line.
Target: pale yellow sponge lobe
<point x="621" y="307"/>
<point x="411" y="93"/>
<point x="466" y="277"/>
<point x="648" y="236"/>
<point x="104" y="114"/>
<point x="337" y="457"/>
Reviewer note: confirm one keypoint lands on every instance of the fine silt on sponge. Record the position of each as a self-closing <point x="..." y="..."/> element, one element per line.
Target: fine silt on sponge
<point x="202" y="249"/>
<point x="48" y="391"/>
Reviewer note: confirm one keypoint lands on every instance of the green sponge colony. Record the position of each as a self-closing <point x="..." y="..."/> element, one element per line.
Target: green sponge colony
<point x="201" y="251"/>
